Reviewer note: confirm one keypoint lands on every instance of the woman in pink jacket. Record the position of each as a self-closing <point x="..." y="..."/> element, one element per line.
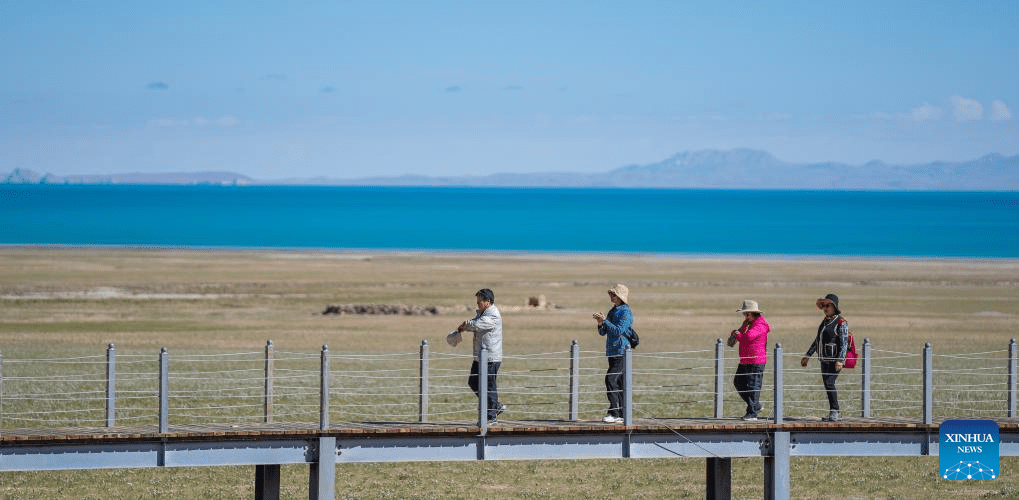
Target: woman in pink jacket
<point x="753" y="355"/>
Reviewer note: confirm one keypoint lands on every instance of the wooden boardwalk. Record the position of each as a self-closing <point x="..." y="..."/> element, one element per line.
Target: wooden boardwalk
<point x="268" y="446"/>
<point x="462" y="428"/>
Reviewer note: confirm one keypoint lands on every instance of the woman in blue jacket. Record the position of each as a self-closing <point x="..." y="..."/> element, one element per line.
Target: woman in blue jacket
<point x="613" y="327"/>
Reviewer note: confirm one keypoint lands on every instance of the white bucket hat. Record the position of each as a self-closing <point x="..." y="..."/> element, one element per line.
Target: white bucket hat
<point x="749" y="306"/>
<point x="620" y="291"/>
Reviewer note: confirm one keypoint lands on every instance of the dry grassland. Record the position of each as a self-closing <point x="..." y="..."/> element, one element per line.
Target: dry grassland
<point x="70" y="302"/>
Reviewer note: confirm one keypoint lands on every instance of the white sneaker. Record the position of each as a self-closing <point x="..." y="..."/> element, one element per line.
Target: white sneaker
<point x="609" y="419"/>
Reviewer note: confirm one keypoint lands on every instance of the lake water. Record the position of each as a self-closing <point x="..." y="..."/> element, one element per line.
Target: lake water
<point x="734" y="222"/>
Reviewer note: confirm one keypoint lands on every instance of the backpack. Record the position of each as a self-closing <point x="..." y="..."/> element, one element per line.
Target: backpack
<point x="631" y="336"/>
<point x="851" y="355"/>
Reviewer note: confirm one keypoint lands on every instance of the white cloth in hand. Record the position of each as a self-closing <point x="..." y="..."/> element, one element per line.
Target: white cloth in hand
<point x="453" y="338"/>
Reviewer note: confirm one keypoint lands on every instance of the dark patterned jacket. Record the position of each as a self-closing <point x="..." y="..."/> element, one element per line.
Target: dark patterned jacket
<point x="832" y="340"/>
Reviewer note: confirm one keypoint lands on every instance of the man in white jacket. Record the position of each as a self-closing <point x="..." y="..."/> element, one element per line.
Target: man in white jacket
<point x="487" y="328"/>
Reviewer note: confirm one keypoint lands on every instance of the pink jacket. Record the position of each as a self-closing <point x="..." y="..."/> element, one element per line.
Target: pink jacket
<point x="753" y="342"/>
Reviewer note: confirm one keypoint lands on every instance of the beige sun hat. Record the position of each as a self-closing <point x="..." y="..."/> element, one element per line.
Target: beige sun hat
<point x="749" y="306"/>
<point x="620" y="291"/>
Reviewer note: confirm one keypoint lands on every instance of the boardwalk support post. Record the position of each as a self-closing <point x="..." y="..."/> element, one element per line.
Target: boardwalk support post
<point x="1" y="384"/>
<point x="483" y="391"/>
<point x="1011" y="379"/>
<point x="719" y="478"/>
<point x="111" y="385"/>
<point x="779" y="385"/>
<point x="267" y="482"/>
<point x="323" y="396"/>
<point x="322" y="483"/>
<point x="267" y="476"/>
<point x="164" y="390"/>
<point x="719" y="375"/>
<point x="776" y="467"/>
<point x="574" y="381"/>
<point x="928" y="384"/>
<point x="423" y="383"/>
<point x="269" y="368"/>
<point x="628" y="387"/>
<point x="866" y="380"/>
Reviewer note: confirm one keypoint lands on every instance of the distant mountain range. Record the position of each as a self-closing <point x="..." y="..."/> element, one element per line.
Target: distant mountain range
<point x="732" y="169"/>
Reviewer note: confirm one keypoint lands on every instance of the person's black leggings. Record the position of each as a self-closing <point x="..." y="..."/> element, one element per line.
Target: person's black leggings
<point x="828" y="376"/>
<point x="614" y="380"/>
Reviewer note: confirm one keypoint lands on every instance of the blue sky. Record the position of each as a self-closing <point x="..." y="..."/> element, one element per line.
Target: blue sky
<point x="355" y="88"/>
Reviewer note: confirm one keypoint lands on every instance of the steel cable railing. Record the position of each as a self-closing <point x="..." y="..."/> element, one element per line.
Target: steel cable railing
<point x="285" y="387"/>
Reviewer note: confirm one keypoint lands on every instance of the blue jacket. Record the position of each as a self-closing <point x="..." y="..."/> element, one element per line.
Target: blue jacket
<point x="617" y="322"/>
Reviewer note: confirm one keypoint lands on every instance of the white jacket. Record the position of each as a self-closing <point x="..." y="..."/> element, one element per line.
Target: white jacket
<point x="487" y="328"/>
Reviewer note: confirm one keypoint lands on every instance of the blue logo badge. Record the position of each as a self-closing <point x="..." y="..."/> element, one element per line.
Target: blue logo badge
<point x="968" y="450"/>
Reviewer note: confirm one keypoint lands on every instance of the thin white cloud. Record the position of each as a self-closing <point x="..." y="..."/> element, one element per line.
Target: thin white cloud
<point x="878" y="115"/>
<point x="1000" y="111"/>
<point x="167" y="122"/>
<point x="225" y="121"/>
<point x="925" y="112"/>
<point x="966" y="110"/>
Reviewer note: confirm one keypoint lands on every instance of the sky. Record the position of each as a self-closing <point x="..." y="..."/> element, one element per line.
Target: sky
<point x="347" y="89"/>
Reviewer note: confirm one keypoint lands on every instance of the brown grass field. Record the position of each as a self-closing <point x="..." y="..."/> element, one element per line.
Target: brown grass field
<point x="66" y="302"/>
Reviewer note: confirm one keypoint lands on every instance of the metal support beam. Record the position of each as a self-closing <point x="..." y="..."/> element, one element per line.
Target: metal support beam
<point x="776" y="468"/>
<point x="267" y="482"/>
<point x="156" y="452"/>
<point x="719" y="478"/>
<point x="916" y="443"/>
<point x="244" y="449"/>
<point x="322" y="481"/>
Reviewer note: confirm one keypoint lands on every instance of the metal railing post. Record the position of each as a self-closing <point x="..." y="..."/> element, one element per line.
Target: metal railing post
<point x="865" y="381"/>
<point x="423" y="383"/>
<point x="574" y="381"/>
<point x="1" y="386"/>
<point x="111" y="385"/>
<point x="270" y="367"/>
<point x="928" y="384"/>
<point x="1011" y="379"/>
<point x="719" y="375"/>
<point x="628" y="387"/>
<point x="483" y="390"/>
<point x="164" y="390"/>
<point x="323" y="396"/>
<point x="779" y="385"/>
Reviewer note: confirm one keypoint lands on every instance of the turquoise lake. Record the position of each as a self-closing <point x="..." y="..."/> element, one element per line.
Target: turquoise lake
<point x="726" y="222"/>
